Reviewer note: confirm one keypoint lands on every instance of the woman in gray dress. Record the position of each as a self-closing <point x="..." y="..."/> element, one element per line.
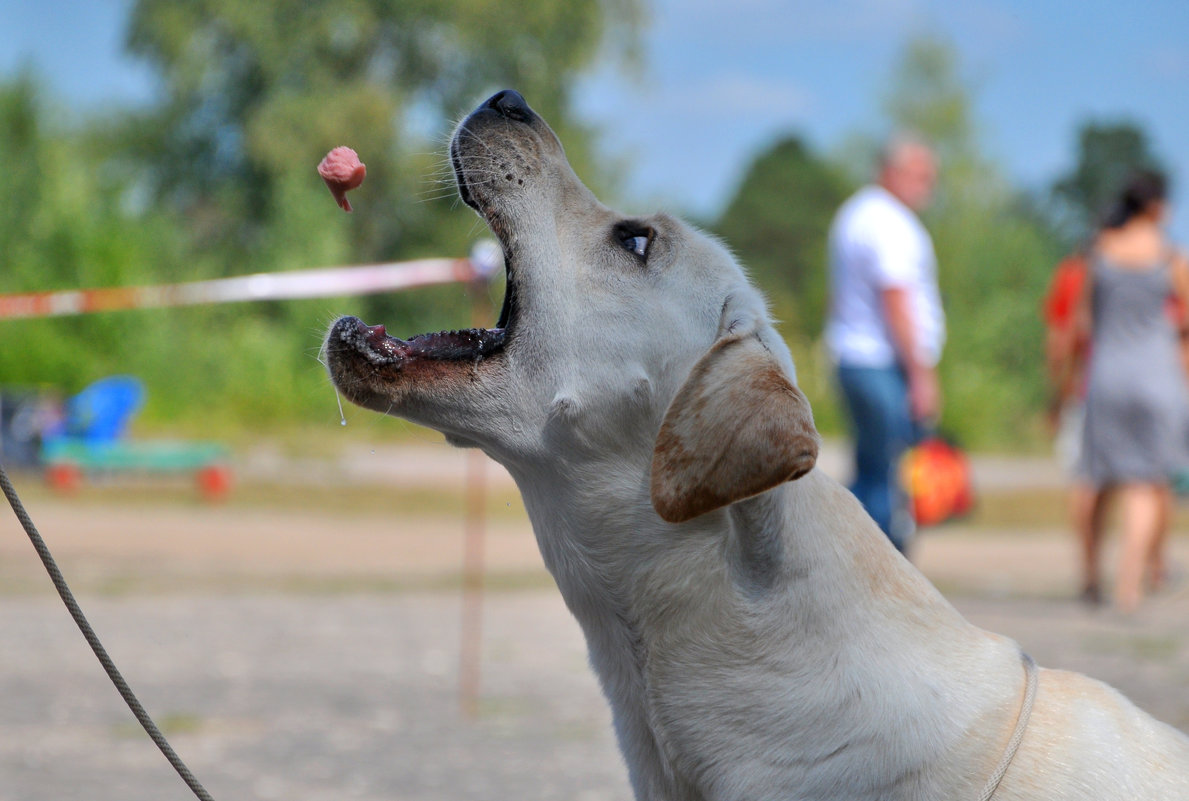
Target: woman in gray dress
<point x="1137" y="397"/>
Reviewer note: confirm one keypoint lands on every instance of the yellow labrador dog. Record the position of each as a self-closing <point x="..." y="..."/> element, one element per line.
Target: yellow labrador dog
<point x="754" y="632"/>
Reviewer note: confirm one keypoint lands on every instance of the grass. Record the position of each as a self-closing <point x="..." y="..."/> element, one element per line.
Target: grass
<point x="132" y="491"/>
<point x="1000" y="511"/>
<point x="1044" y="508"/>
<point x="1020" y="509"/>
<point x="1139" y="646"/>
<point x="125" y="584"/>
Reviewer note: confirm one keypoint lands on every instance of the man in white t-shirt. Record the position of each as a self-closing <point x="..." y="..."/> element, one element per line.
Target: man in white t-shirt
<point x="885" y="326"/>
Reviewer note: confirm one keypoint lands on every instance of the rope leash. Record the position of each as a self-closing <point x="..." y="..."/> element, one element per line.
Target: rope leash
<point x="93" y="640"/>
<point x="1017" y="736"/>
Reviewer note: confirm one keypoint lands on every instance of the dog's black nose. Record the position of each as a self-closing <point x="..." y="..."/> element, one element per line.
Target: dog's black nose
<point x="510" y="104"/>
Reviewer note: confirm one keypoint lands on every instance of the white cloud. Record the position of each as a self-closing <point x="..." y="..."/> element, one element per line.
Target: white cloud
<point x="1166" y="62"/>
<point x="767" y="21"/>
<point x="739" y="93"/>
<point x="764" y="23"/>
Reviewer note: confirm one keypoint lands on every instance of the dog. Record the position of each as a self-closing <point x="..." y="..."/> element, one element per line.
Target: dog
<point x="756" y="635"/>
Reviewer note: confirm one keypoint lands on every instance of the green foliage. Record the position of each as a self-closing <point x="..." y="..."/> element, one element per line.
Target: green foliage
<point x="64" y="230"/>
<point x="927" y="97"/>
<point x="995" y="262"/>
<point x="219" y="180"/>
<point x="258" y="92"/>
<point x="71" y="229"/>
<point x="777" y="223"/>
<point x="1108" y="153"/>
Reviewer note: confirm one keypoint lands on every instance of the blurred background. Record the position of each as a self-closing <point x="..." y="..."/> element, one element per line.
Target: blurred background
<point x="151" y="142"/>
<point x="302" y="638"/>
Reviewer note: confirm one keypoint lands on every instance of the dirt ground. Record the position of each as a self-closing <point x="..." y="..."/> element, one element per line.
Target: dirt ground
<point x="302" y="641"/>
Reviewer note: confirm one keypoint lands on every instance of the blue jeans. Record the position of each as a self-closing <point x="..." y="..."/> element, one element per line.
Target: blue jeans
<point x="882" y="427"/>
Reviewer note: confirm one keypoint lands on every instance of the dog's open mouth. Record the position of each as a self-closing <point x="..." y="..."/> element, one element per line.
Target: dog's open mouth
<point x="468" y="345"/>
<point x="374" y="343"/>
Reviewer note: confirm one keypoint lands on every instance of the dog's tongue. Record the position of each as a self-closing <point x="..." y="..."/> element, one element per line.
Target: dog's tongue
<point x="342" y="171"/>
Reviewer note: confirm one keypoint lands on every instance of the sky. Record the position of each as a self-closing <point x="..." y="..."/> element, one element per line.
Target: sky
<point x="721" y="80"/>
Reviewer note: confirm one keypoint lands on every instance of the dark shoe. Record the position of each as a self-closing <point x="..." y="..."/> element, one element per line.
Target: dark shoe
<point x="1091" y="595"/>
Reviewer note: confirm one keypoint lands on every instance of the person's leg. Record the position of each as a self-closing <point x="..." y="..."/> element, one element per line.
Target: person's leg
<point x="867" y="424"/>
<point x="877" y="402"/>
<point x="1087" y="508"/>
<point x="1142" y="513"/>
<point x="1156" y="564"/>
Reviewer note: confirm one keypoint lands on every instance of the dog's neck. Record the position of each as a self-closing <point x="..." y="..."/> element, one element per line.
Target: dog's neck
<point x="801" y="558"/>
<point x="798" y="539"/>
<point x="808" y="541"/>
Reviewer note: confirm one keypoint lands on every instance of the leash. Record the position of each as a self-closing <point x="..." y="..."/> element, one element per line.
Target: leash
<point x="93" y="640"/>
<point x="1017" y="736"/>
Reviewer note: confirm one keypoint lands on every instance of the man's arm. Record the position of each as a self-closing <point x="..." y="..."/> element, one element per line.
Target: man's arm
<point x="924" y="390"/>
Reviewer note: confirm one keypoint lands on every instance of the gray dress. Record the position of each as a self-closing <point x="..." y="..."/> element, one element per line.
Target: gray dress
<point x="1137" y="397"/>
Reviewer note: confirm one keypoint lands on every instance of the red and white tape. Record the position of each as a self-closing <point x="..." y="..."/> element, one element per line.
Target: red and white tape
<point x="329" y="282"/>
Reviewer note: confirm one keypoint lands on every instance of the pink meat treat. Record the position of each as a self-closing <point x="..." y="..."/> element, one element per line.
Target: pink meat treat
<point x="342" y="171"/>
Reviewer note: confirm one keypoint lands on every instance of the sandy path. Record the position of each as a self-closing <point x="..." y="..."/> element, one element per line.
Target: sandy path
<point x="313" y="654"/>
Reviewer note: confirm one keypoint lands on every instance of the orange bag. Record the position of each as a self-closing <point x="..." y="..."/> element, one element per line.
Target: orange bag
<point x="936" y="474"/>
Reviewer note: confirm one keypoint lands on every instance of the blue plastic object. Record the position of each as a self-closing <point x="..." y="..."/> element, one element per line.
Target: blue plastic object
<point x="102" y="411"/>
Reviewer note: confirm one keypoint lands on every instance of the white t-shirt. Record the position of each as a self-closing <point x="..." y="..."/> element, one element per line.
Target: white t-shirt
<point x="877" y="243"/>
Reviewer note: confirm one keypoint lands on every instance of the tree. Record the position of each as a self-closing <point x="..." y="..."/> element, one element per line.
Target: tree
<point x="927" y="97"/>
<point x="67" y="228"/>
<point x="256" y="93"/>
<point x="777" y="222"/>
<point x="1107" y="154"/>
<point x="219" y="178"/>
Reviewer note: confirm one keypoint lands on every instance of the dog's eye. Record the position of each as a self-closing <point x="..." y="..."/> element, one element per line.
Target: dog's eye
<point x="635" y="240"/>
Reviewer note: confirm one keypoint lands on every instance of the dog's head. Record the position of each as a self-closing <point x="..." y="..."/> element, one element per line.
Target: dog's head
<point x="634" y="340"/>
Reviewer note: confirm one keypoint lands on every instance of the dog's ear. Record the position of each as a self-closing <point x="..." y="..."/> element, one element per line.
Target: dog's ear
<point x="738" y="427"/>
